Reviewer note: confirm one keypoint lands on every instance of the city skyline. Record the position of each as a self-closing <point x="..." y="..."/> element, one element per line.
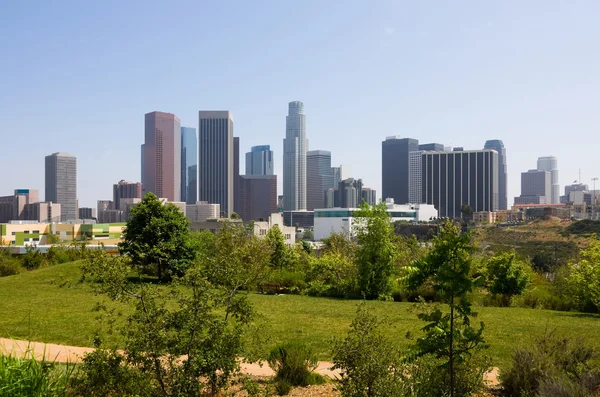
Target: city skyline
<point x="488" y="71"/>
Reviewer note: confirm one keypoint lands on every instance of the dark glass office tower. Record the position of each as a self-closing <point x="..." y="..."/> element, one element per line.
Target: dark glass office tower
<point x="394" y="167"/>
<point x="498" y="146"/>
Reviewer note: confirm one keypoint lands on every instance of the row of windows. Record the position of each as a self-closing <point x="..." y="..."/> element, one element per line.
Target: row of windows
<point x="347" y="214"/>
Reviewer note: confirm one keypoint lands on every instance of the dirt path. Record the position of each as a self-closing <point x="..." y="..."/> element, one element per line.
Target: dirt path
<point x="73" y="354"/>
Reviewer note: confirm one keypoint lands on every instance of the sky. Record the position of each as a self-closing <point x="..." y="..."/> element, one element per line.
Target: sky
<point x="78" y="77"/>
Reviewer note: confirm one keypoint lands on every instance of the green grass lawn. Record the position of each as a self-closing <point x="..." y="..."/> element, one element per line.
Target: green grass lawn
<point x="49" y="305"/>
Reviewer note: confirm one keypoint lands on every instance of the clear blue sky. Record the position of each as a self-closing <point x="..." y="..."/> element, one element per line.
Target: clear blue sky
<point x="78" y="76"/>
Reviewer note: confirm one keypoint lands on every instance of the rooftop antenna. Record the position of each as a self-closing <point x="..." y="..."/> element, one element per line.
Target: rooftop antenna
<point x="580" y="175"/>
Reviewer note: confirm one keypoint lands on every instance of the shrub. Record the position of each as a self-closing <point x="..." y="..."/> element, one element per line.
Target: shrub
<point x="551" y="364"/>
<point x="9" y="267"/>
<point x="332" y="275"/>
<point x="24" y="377"/>
<point x="283" y="387"/>
<point x="32" y="258"/>
<point x="293" y="362"/>
<point x="292" y="282"/>
<point x="507" y="277"/>
<point x="424" y="378"/>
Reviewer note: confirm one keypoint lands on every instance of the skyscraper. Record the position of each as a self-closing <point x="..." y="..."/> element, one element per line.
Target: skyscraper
<point x="236" y="174"/>
<point x="189" y="165"/>
<point x="415" y="177"/>
<point x="216" y="159"/>
<point x="161" y="156"/>
<point x="339" y="174"/>
<point x="394" y="167"/>
<point x="550" y="164"/>
<point x="295" y="146"/>
<point x="124" y="190"/>
<point x="61" y="183"/>
<point x="498" y="146"/>
<point x="319" y="178"/>
<point x="258" y="196"/>
<point x="259" y="160"/>
<point x="452" y="179"/>
<point x="535" y="188"/>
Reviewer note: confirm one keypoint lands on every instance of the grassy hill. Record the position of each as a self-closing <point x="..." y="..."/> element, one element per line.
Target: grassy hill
<point x="49" y="305"/>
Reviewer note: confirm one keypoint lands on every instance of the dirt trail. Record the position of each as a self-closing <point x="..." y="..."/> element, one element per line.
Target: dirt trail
<point x="74" y="354"/>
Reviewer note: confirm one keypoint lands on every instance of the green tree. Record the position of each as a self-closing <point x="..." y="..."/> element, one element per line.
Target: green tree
<point x="507" y="276"/>
<point x="583" y="282"/>
<point x="308" y="235"/>
<point x="279" y="251"/>
<point x="466" y="211"/>
<point x="157" y="238"/>
<point x="375" y="256"/>
<point x="447" y="267"/>
<point x="369" y="362"/>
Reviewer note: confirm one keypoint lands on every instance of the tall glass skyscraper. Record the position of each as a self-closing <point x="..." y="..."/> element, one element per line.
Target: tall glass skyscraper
<point x="259" y="160"/>
<point x="61" y="184"/>
<point x="394" y="167"/>
<point x="216" y="176"/>
<point x="189" y="165"/>
<point x="498" y="146"/>
<point x="319" y="178"/>
<point x="161" y="156"/>
<point x="550" y="164"/>
<point x="295" y="146"/>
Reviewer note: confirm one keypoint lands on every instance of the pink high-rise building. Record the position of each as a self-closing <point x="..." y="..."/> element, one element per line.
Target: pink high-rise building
<point x="161" y="156"/>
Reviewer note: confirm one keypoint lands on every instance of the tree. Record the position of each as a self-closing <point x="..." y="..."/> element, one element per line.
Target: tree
<point x="447" y="266"/>
<point x="583" y="282"/>
<point x="507" y="276"/>
<point x="279" y="251"/>
<point x="466" y="211"/>
<point x="308" y="235"/>
<point x="188" y="337"/>
<point x="369" y="362"/>
<point x="376" y="251"/>
<point x="157" y="238"/>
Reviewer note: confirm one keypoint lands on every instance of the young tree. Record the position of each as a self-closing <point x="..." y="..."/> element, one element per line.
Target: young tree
<point x="376" y="251"/>
<point x="157" y="238"/>
<point x="279" y="251"/>
<point x="447" y="266"/>
<point x="507" y="276"/>
<point x="583" y="281"/>
<point x="466" y="212"/>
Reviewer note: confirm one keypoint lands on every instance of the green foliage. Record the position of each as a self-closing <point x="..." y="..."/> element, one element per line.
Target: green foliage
<point x="32" y="258"/>
<point x="583" y="282"/>
<point x="368" y="360"/>
<point x="25" y="377"/>
<point x="552" y="364"/>
<point x="337" y="243"/>
<point x="375" y="256"/>
<point x="279" y="251"/>
<point x="106" y="373"/>
<point x="332" y="275"/>
<point x="9" y="265"/>
<point x="585" y="226"/>
<point x="308" y="235"/>
<point x="293" y="364"/>
<point x="507" y="276"/>
<point x="542" y="262"/>
<point x="448" y="267"/>
<point x="193" y="318"/>
<point x="157" y="238"/>
<point x="423" y="378"/>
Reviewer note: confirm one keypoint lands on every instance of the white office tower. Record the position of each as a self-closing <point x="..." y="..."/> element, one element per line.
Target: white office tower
<point x="295" y="146"/>
<point x="550" y="164"/>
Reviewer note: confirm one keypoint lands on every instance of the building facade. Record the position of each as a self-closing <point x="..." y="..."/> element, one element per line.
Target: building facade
<point x="339" y="174"/>
<point x="259" y="161"/>
<point x="394" y="167"/>
<point x="342" y="220"/>
<point x="125" y="190"/>
<point x="216" y="159"/>
<point x="12" y="208"/>
<point x="415" y="177"/>
<point x="369" y="196"/>
<point x="295" y="146"/>
<point x="61" y="183"/>
<point x="498" y="145"/>
<point x="453" y="179"/>
<point x="535" y="188"/>
<point x="189" y="165"/>
<point x="201" y="211"/>
<point x="258" y="197"/>
<point x="161" y="155"/>
<point x="550" y="164"/>
<point x="261" y="228"/>
<point x="319" y="178"/>
<point x="87" y="213"/>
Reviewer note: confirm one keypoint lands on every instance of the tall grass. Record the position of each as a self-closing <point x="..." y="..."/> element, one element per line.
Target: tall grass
<point x="27" y="377"/>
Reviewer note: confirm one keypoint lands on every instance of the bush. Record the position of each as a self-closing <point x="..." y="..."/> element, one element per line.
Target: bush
<point x="291" y="282"/>
<point x="24" y="377"/>
<point x="425" y="377"/>
<point x="507" y="277"/>
<point x="283" y="387"/>
<point x="32" y="258"/>
<point x="293" y="362"/>
<point x="107" y="373"/>
<point x="332" y="275"/>
<point x="552" y="364"/>
<point x="9" y="267"/>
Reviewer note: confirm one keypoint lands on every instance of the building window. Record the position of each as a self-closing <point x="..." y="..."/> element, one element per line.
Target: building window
<point x="14" y="233"/>
<point x="36" y="239"/>
<point x="26" y="232"/>
<point x="36" y="232"/>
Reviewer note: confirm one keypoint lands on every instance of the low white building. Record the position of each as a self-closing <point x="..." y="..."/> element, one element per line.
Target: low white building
<point x="340" y="220"/>
<point x="201" y="211"/>
<point x="289" y="232"/>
